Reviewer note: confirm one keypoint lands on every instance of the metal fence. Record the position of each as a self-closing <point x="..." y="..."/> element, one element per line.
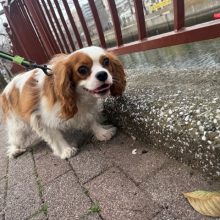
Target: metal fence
<point x="41" y="28"/>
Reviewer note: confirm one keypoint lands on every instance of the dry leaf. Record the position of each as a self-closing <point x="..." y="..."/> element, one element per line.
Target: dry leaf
<point x="206" y="203"/>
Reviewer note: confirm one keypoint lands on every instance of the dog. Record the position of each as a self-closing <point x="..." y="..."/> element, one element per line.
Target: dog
<point x="69" y="98"/>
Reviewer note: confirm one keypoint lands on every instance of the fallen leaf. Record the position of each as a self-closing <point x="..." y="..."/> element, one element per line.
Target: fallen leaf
<point x="204" y="202"/>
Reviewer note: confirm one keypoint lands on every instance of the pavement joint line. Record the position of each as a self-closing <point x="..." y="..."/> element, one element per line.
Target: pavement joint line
<point x="40" y="187"/>
<point x="102" y="172"/>
<point x="47" y="184"/>
<point x="83" y="189"/>
<point x="157" y="213"/>
<point x="164" y="166"/>
<point x="127" y="176"/>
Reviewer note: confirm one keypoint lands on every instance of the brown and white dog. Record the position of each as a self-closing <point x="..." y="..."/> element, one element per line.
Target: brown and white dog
<point x="69" y="98"/>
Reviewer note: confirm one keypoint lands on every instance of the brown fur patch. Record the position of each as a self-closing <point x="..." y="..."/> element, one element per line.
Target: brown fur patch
<point x="30" y="96"/>
<point x="4" y="105"/>
<point x="48" y="91"/>
<point x="62" y="85"/>
<point x="116" y="69"/>
<point x="24" y="103"/>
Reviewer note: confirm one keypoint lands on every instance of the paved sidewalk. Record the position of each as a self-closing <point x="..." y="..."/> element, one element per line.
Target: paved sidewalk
<point x="104" y="181"/>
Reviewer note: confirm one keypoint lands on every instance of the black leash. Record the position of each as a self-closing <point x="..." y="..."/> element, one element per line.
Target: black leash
<point x="23" y="62"/>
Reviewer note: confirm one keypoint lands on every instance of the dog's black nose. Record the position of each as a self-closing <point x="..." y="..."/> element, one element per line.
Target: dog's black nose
<point x="101" y="76"/>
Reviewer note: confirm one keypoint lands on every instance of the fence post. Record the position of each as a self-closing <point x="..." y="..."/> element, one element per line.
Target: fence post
<point x="179" y="14"/>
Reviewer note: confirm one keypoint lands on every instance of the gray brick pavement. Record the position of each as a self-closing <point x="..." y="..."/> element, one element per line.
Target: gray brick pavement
<point x="89" y="163"/>
<point x="147" y="185"/>
<point x="65" y="198"/>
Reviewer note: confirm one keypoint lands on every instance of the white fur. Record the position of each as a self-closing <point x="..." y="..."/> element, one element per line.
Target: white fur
<point x="46" y="123"/>
<point x="95" y="53"/>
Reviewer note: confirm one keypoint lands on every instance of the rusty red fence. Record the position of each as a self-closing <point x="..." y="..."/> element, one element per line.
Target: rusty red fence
<point x="39" y="28"/>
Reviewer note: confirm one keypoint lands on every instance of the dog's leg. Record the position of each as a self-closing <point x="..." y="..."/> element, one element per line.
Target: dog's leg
<point x="16" y="136"/>
<point x="103" y="133"/>
<point x="53" y="137"/>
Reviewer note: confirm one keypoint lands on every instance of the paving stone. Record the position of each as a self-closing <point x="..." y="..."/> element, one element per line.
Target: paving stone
<point x="166" y="188"/>
<point x="22" y="200"/>
<point x="2" y="202"/>
<point x="180" y="210"/>
<point x="90" y="217"/>
<point x="89" y="162"/>
<point x="119" y="198"/>
<point x="20" y="169"/>
<point x="3" y="165"/>
<point x="49" y="167"/>
<point x="65" y="198"/>
<point x="2" y="185"/>
<point x="164" y="215"/>
<point x="2" y="193"/>
<point x="138" y="166"/>
<point x="39" y="216"/>
<point x="3" y="157"/>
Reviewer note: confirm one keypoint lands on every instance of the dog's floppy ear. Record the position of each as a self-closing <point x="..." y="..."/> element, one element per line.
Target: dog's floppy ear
<point x="118" y="74"/>
<point x="64" y="86"/>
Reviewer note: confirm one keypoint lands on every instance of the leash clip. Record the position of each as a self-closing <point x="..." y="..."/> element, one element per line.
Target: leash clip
<point x="43" y="67"/>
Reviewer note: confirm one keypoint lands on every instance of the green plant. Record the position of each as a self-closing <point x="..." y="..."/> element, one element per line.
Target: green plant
<point x="95" y="208"/>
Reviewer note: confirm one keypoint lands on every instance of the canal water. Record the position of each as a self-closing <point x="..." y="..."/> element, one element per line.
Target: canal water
<point x="198" y="55"/>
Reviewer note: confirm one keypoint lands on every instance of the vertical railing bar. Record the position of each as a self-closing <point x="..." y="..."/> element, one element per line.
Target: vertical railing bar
<point x="33" y="33"/>
<point x="46" y="42"/>
<point x="26" y="17"/>
<point x="52" y="25"/>
<point x="97" y="23"/>
<point x="139" y="12"/>
<point x="179" y="14"/>
<point x="34" y="27"/>
<point x="83" y="22"/>
<point x="6" y="10"/>
<point x="72" y="22"/>
<point x="116" y="22"/>
<point x="65" y="25"/>
<point x="58" y="26"/>
<point x="46" y="24"/>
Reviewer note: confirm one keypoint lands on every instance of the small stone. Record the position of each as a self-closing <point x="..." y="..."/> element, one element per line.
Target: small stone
<point x="198" y="123"/>
<point x="198" y="111"/>
<point x="134" y="151"/>
<point x="187" y="118"/>
<point x="212" y="135"/>
<point x="133" y="138"/>
<point x="204" y="138"/>
<point x="201" y="128"/>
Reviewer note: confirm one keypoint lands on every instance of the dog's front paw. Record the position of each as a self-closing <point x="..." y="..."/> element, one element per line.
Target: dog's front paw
<point x="105" y="134"/>
<point x="68" y="152"/>
<point x="14" y="151"/>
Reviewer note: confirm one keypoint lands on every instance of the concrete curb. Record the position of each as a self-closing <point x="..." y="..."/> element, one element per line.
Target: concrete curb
<point x="176" y="111"/>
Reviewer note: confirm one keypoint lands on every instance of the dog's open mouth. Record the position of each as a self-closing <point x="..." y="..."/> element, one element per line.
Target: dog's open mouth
<point x="101" y="90"/>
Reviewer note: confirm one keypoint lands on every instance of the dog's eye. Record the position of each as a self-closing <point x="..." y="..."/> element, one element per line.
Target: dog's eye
<point x="83" y="70"/>
<point x="106" y="62"/>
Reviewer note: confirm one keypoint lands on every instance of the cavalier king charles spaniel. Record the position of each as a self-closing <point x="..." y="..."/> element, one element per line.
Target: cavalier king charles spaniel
<point x="69" y="98"/>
